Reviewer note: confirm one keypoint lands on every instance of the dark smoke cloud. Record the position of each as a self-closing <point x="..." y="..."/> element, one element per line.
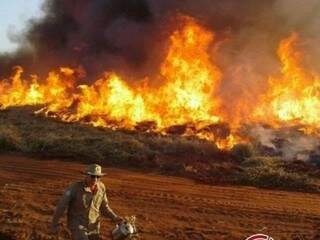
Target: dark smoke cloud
<point x="129" y="36"/>
<point x="81" y="33"/>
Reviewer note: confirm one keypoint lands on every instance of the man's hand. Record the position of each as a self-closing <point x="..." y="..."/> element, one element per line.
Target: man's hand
<point x="118" y="220"/>
<point x="54" y="229"/>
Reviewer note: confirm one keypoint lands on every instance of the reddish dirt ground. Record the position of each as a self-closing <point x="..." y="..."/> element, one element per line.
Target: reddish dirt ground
<point x="165" y="207"/>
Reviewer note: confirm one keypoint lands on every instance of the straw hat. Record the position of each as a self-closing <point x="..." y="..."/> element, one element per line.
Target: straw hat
<point x="94" y="170"/>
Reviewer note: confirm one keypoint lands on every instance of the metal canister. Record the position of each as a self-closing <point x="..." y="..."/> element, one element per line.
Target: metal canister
<point x="123" y="231"/>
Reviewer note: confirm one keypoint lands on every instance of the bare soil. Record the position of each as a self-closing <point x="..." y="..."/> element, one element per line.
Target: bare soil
<point x="165" y="207"/>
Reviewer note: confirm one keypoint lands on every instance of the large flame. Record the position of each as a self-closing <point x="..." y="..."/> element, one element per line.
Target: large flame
<point x="54" y="90"/>
<point x="294" y="97"/>
<point x="187" y="95"/>
<point x="186" y="102"/>
<point x="189" y="77"/>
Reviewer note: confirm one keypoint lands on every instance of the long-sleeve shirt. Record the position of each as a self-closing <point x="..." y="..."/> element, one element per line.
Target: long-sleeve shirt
<point x="84" y="207"/>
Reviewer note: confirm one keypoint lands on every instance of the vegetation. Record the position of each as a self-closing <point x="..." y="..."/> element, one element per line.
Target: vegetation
<point x="23" y="132"/>
<point x="270" y="172"/>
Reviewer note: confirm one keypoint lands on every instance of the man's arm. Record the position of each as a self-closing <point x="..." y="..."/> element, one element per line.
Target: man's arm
<point x="107" y="211"/>
<point x="61" y="207"/>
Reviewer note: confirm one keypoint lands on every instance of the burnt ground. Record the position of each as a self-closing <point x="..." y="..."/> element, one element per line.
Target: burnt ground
<point x="165" y="207"/>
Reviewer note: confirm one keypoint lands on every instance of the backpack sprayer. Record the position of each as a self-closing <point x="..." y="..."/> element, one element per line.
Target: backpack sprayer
<point x="125" y="230"/>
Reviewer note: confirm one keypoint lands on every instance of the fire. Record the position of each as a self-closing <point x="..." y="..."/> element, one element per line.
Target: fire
<point x="187" y="95"/>
<point x="186" y="102"/>
<point x="111" y="99"/>
<point x="294" y="97"/>
<point x="20" y="92"/>
<point x="191" y="79"/>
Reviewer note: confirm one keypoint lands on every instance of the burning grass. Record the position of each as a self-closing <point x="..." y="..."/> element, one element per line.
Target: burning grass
<point x="182" y="125"/>
<point x="186" y="98"/>
<point x="24" y="132"/>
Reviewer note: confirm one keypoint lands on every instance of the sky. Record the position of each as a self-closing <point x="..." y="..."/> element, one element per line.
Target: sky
<point x="14" y="15"/>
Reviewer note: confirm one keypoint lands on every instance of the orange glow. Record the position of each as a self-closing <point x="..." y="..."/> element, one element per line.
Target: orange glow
<point x="187" y="95"/>
<point x="294" y="97"/>
<point x="186" y="102"/>
<point x="21" y="92"/>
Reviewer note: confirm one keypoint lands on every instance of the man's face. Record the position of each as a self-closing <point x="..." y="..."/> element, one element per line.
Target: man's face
<point x="92" y="180"/>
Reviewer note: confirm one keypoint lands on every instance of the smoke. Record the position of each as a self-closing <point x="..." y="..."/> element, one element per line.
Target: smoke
<point x="264" y="136"/>
<point x="289" y="143"/>
<point x="129" y="36"/>
<point x="300" y="147"/>
<point x="96" y="35"/>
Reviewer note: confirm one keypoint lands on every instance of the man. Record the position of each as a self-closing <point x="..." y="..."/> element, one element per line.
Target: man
<point x="85" y="201"/>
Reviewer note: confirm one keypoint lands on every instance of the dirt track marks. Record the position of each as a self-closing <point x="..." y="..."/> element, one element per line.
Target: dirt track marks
<point x="166" y="207"/>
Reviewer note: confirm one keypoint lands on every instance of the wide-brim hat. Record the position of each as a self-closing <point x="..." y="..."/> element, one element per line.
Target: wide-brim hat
<point x="94" y="170"/>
